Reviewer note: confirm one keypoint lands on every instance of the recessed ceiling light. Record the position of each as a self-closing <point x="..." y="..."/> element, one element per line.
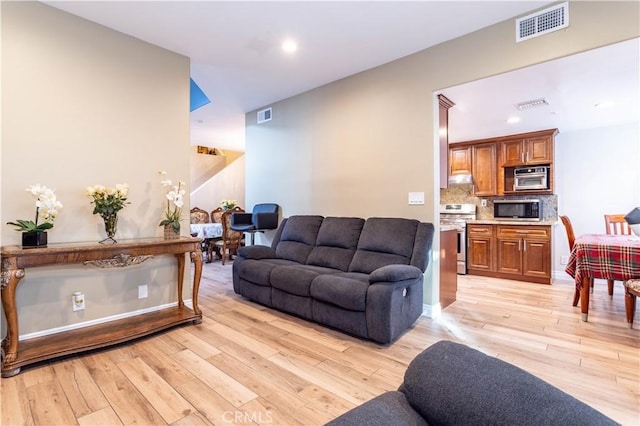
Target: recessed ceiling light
<point x="513" y="120"/>
<point x="289" y="46"/>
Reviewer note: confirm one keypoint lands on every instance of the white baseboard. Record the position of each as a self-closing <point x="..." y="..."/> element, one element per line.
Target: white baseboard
<point x="431" y="311"/>
<point x="99" y="320"/>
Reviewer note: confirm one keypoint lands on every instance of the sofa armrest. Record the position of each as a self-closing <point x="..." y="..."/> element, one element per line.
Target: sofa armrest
<point x="453" y="384"/>
<point x="257" y="252"/>
<point x="394" y="273"/>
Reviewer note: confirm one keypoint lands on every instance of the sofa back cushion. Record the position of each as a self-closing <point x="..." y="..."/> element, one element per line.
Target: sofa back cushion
<point x="298" y="237"/>
<point x="384" y="241"/>
<point x="336" y="243"/>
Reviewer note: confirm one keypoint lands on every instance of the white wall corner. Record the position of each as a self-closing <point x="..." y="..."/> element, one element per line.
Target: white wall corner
<point x="431" y="311"/>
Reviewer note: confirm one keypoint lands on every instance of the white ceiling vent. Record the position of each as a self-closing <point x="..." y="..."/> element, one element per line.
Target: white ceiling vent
<point x="531" y="104"/>
<point x="542" y="22"/>
<point x="264" y="115"/>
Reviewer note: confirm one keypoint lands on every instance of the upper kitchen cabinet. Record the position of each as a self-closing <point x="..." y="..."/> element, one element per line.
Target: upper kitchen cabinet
<point x="459" y="160"/>
<point x="528" y="149"/>
<point x="484" y="169"/>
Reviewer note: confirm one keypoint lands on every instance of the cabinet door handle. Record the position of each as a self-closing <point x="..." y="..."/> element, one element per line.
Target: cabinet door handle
<point x="525" y="246"/>
<point x="522" y="157"/>
<point x="519" y="244"/>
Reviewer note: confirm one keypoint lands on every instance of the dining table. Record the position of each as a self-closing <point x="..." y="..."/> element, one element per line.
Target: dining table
<point x="206" y="230"/>
<point x="603" y="256"/>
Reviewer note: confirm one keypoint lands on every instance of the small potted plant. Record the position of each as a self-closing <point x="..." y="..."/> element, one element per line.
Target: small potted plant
<point x="173" y="215"/>
<point x="33" y="233"/>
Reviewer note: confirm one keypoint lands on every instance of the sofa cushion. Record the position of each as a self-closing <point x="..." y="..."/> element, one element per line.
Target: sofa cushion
<point x="336" y="243"/>
<point x="259" y="271"/>
<point x="298" y="238"/>
<point x="390" y="408"/>
<point x="347" y="290"/>
<point x="452" y="384"/>
<point x="296" y="279"/>
<point x="384" y="241"/>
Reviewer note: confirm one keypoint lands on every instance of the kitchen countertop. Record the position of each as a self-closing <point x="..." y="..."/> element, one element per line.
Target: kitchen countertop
<point x="447" y="228"/>
<point x="547" y="222"/>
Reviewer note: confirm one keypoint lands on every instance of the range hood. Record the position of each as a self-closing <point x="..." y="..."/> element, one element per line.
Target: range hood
<point x="460" y="179"/>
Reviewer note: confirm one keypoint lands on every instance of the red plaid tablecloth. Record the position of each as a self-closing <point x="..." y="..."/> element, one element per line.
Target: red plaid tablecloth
<point x="610" y="257"/>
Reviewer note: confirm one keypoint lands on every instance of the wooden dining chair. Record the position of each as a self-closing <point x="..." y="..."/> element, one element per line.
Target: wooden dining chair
<point x="231" y="240"/>
<point x="571" y="238"/>
<point x="616" y="225"/>
<point x="632" y="291"/>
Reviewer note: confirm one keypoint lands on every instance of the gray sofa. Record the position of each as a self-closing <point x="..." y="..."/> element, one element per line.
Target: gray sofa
<point x="452" y="384"/>
<point x="363" y="277"/>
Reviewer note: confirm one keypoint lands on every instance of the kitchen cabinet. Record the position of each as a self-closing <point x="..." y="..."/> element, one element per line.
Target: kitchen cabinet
<point x="524" y="252"/>
<point x="480" y="242"/>
<point x="448" y="267"/>
<point x="484" y="169"/>
<point x="517" y="252"/>
<point x="460" y="160"/>
<point x="534" y="149"/>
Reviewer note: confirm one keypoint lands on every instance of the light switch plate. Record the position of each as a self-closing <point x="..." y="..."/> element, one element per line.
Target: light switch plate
<point x="416" y="198"/>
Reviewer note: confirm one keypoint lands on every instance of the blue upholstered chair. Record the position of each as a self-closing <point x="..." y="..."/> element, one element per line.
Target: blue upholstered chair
<point x="263" y="217"/>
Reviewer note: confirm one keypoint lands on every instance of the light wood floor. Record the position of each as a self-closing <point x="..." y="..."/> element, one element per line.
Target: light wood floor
<point x="246" y="364"/>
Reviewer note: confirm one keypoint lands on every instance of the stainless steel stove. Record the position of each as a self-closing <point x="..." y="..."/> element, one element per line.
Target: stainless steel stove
<point x="457" y="215"/>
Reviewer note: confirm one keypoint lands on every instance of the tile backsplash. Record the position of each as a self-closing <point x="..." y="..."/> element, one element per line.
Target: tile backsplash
<point x="463" y="194"/>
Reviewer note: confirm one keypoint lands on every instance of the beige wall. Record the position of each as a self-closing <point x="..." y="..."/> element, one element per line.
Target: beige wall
<point x="85" y="105"/>
<point x="359" y="145"/>
<point x="227" y="184"/>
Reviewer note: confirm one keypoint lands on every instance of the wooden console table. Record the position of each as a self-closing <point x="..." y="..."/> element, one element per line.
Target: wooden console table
<point x="124" y="253"/>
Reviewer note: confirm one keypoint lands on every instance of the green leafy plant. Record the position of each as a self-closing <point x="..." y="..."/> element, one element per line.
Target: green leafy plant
<point x="47" y="207"/>
<point x="174" y="195"/>
<point x="108" y="200"/>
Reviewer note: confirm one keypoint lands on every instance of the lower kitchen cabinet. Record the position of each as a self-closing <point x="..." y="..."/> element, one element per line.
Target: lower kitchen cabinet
<point x="517" y="252"/>
<point x="480" y="248"/>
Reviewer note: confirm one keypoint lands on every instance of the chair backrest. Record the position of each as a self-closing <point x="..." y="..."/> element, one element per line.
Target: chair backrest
<point x="265" y="208"/>
<point x="216" y="215"/>
<point x="229" y="234"/>
<point x="197" y="215"/>
<point x="616" y="224"/>
<point x="570" y="235"/>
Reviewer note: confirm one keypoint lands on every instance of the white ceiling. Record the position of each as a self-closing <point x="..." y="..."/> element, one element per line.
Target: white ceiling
<point x="235" y="53"/>
<point x="572" y="86"/>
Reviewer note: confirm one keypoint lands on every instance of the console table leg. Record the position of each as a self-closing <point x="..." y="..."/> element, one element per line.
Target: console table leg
<point x="10" y="281"/>
<point x="197" y="275"/>
<point x="180" y="258"/>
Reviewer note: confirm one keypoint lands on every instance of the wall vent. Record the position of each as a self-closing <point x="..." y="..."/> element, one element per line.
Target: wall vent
<point x="542" y="22"/>
<point x="264" y="115"/>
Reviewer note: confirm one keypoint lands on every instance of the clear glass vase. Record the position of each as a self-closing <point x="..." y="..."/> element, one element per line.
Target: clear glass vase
<point x="110" y="227"/>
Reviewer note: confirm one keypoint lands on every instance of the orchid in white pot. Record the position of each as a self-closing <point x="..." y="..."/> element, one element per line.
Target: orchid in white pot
<point x="174" y="194"/>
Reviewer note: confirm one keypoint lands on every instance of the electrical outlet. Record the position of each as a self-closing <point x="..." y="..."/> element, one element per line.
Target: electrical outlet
<point x="483" y="203"/>
<point x="143" y="291"/>
<point x="77" y="301"/>
<point x="564" y="260"/>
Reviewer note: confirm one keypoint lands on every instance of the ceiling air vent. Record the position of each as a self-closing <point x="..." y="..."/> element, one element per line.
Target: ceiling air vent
<point x="531" y="104"/>
<point x="542" y="22"/>
<point x="264" y="115"/>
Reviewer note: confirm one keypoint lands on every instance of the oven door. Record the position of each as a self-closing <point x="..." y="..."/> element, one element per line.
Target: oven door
<point x="462" y="251"/>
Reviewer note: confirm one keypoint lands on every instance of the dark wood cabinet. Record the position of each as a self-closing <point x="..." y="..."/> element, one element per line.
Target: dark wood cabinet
<point x="517" y="252"/>
<point x="484" y="169"/>
<point x="480" y="248"/>
<point x="448" y="267"/>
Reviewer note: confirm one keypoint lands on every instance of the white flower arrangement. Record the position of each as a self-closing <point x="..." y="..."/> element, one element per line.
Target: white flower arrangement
<point x="47" y="207"/>
<point x="175" y="201"/>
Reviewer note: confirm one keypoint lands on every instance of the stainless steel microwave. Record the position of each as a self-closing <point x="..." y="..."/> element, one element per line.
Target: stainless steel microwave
<point x="525" y="210"/>
<point x="531" y="178"/>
